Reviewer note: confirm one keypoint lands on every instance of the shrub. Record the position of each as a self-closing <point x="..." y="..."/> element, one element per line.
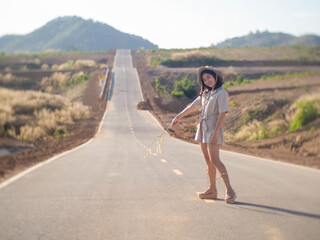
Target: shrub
<point x="188" y="86"/>
<point x="178" y="94"/>
<point x="78" y="78"/>
<point x="307" y="113"/>
<point x="184" y="86"/>
<point x="233" y="104"/>
<point x="240" y="80"/>
<point x="155" y="61"/>
<point x="161" y="88"/>
<point x="60" y="133"/>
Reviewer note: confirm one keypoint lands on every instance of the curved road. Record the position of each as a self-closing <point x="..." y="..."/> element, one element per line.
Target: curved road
<point x="114" y="188"/>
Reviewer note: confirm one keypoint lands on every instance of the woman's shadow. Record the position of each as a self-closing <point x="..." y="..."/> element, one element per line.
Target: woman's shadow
<point x="260" y="208"/>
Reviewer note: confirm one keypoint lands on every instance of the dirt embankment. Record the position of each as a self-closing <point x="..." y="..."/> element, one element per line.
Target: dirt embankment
<point x="78" y="133"/>
<point x="273" y="97"/>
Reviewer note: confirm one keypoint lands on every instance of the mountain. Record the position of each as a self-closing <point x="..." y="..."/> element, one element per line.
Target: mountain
<point x="269" y="39"/>
<point x="73" y="33"/>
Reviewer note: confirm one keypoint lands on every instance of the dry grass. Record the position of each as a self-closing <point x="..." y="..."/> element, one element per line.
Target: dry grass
<point x="70" y="64"/>
<point x="277" y="126"/>
<point x="254" y="129"/>
<point x="55" y="83"/>
<point x="85" y="63"/>
<point x="103" y="66"/>
<point x="30" y="133"/>
<point x="267" y="53"/>
<point x="43" y="113"/>
<point x="10" y="79"/>
<point x="60" y="82"/>
<point x="249" y="132"/>
<point x="45" y="66"/>
<point x="6" y="113"/>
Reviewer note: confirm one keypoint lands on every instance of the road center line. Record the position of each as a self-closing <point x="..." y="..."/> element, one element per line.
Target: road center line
<point x="176" y="171"/>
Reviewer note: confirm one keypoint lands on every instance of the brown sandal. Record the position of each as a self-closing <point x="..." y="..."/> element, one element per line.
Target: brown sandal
<point x="231" y="198"/>
<point x="211" y="192"/>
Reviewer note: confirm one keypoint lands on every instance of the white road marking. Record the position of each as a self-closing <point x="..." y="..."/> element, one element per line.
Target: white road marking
<point x="274" y="233"/>
<point x="163" y="160"/>
<point x="176" y="171"/>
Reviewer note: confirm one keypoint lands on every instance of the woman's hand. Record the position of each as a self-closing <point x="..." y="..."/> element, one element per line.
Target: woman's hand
<point x="174" y="121"/>
<point x="214" y="138"/>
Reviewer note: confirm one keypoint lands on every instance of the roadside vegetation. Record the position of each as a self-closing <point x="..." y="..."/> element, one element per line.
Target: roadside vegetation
<point x="10" y="80"/>
<point x="36" y="109"/>
<point x="59" y="82"/>
<point x="240" y="80"/>
<point x="305" y="110"/>
<point x="214" y="56"/>
<point x="36" y="63"/>
<point x="33" y="115"/>
<point x="184" y="87"/>
<point x="278" y="77"/>
<point x="70" y="64"/>
<point x="273" y="117"/>
<point x="44" y="54"/>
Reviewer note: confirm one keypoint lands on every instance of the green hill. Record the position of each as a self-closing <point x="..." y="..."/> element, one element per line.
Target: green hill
<point x="269" y="39"/>
<point x="73" y="33"/>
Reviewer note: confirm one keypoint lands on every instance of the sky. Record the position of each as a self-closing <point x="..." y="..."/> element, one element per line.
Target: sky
<point x="171" y="23"/>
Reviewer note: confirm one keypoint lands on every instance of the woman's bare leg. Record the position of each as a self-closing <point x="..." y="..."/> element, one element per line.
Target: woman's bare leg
<point x="213" y="151"/>
<point x="205" y="152"/>
<point x="211" y="173"/>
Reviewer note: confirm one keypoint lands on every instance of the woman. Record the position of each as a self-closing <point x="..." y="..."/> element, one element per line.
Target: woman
<point x="213" y="100"/>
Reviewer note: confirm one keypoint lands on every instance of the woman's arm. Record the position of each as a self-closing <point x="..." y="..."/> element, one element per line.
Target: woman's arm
<point x="183" y="113"/>
<point x="214" y="136"/>
<point x="187" y="110"/>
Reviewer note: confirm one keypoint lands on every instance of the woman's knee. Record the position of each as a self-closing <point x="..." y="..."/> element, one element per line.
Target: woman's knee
<point x="204" y="150"/>
<point x="216" y="161"/>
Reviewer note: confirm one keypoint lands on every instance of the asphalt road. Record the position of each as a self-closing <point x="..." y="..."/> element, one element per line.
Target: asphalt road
<point x="115" y="188"/>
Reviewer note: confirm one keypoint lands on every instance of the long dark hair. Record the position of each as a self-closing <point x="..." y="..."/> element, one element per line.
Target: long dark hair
<point x="204" y="87"/>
